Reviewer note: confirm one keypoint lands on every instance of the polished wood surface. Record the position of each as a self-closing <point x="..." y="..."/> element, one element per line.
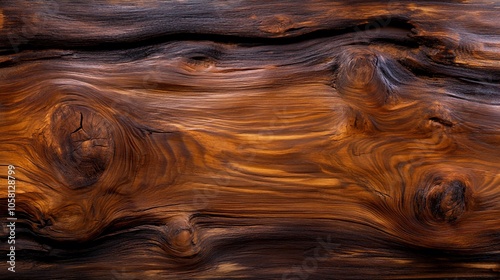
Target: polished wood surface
<point x="238" y="139"/>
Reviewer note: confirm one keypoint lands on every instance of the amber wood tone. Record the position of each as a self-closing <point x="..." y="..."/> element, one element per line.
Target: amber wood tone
<point x="192" y="139"/>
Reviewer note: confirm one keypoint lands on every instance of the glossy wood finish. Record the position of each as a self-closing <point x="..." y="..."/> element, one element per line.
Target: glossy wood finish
<point x="252" y="139"/>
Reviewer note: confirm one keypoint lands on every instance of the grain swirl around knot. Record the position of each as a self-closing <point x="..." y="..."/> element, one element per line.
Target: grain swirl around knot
<point x="251" y="139"/>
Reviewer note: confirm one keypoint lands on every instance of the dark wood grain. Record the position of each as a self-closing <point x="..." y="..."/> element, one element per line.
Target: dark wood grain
<point x="251" y="139"/>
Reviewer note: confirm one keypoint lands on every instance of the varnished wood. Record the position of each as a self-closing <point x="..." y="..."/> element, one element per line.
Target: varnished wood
<point x="251" y="139"/>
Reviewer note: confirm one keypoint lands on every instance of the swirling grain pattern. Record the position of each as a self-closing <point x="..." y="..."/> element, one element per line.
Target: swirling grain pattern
<point x="251" y="139"/>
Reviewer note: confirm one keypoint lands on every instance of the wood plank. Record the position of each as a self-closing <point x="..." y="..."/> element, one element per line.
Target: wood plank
<point x="250" y="139"/>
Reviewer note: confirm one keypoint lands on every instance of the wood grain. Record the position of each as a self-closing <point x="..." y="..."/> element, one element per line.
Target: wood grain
<point x="240" y="139"/>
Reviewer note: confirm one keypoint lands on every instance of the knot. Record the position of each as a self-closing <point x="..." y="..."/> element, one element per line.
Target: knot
<point x="277" y="24"/>
<point x="442" y="200"/>
<point x="360" y="79"/>
<point x="180" y="237"/>
<point x="69" y="222"/>
<point x="82" y="142"/>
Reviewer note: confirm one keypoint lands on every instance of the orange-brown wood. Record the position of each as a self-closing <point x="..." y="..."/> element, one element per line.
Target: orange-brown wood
<point x="251" y="139"/>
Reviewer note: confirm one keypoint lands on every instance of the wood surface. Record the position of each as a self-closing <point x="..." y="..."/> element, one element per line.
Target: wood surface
<point x="239" y="139"/>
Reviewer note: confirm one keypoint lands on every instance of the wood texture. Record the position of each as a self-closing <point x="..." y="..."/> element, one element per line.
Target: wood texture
<point x="235" y="139"/>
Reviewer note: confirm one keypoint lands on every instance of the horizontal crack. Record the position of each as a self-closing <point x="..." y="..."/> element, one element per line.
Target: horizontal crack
<point x="442" y="121"/>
